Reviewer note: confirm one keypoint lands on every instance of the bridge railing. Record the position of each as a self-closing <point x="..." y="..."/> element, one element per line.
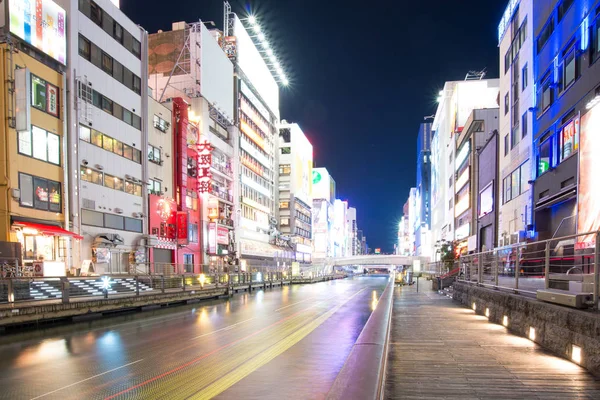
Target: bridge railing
<point x="568" y="263"/>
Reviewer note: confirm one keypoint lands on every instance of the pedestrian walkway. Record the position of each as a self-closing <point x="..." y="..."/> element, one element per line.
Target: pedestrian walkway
<point x="441" y="350"/>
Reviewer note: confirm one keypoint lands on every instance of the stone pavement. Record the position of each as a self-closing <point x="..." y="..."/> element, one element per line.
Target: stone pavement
<point x="441" y="350"/>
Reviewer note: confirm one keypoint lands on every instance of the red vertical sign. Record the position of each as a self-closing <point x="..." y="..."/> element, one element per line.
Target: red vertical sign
<point x="182" y="227"/>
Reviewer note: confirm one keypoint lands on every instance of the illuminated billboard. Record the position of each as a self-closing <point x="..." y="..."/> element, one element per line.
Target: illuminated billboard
<point x="302" y="157"/>
<point x="321" y="184"/>
<point x="588" y="213"/>
<point x="254" y="67"/>
<point x="472" y="95"/>
<point x="339" y="227"/>
<point x="216" y="74"/>
<point x="42" y="24"/>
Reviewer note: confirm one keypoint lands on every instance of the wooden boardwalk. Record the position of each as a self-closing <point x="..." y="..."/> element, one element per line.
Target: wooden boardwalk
<point x="441" y="350"/>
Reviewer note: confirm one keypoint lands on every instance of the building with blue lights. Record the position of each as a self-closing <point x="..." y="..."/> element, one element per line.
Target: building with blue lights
<point x="422" y="216"/>
<point x="513" y="198"/>
<point x="567" y="79"/>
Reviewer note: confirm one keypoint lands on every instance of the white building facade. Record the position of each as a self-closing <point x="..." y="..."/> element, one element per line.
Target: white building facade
<point x="108" y="140"/>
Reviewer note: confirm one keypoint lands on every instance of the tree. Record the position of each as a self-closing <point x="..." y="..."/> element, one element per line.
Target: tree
<point x="447" y="255"/>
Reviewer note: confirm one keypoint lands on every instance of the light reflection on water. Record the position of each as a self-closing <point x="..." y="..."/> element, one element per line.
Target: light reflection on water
<point x="374" y="300"/>
<point x="46" y="351"/>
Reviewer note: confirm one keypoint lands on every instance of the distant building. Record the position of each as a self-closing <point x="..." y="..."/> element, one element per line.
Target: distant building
<point x="422" y="204"/>
<point x="486" y="203"/>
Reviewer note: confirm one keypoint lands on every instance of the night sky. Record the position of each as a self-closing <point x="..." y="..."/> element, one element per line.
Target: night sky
<point x="363" y="75"/>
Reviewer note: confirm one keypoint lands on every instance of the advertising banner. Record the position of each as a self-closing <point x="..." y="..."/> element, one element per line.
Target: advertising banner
<point x="40" y="23"/>
<point x="182" y="227"/>
<point x="222" y="235"/>
<point x="321" y="184"/>
<point x="212" y="238"/>
<point x="295" y="268"/>
<point x="588" y="212"/>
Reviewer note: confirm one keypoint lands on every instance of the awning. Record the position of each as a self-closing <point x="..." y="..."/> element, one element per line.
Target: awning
<point x="48" y="229"/>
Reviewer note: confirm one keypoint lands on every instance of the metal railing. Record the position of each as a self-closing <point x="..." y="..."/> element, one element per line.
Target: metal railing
<point x="564" y="263"/>
<point x="63" y="289"/>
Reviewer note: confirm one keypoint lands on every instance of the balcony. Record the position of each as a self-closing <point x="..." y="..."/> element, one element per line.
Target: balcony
<point x="225" y="222"/>
<point x="219" y="134"/>
<point x="222" y="169"/>
<point x="220" y="192"/>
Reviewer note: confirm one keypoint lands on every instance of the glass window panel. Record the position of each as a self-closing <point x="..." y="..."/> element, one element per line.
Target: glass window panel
<point x="545" y="157"/>
<point x="92" y="218"/>
<point x="107" y="143"/>
<point x="40" y="198"/>
<point x="54" y="196"/>
<point x="84" y="47"/>
<point x="127" y="152"/>
<point x="133" y="225"/>
<point x="97" y="138"/>
<point x="38" y="93"/>
<point x="516" y="182"/>
<point x="129" y="187"/>
<point x="97" y="177"/>
<point x="569" y="70"/>
<point x="117" y="147"/>
<point x="40" y="145"/>
<point x="85" y="133"/>
<point x="137" y="156"/>
<point x="97" y="99"/>
<point x="25" y="143"/>
<point x="138" y="190"/>
<point x="96" y="56"/>
<point x="26" y="187"/>
<point x="137" y="122"/>
<point x="53" y="148"/>
<point x="85" y="174"/>
<point x="113" y="221"/>
<point x="127" y="116"/>
<point x="117" y="71"/>
<point x="107" y="104"/>
<point x="117" y="111"/>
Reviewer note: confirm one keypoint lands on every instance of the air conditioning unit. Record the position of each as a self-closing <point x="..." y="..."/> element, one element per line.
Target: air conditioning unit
<point x="119" y="210"/>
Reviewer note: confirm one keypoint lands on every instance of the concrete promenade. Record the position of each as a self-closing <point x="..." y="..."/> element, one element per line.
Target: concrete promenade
<point x="441" y="350"/>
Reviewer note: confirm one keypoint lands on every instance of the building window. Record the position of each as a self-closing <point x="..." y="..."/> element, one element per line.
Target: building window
<point x="113" y="182"/>
<point x="133" y="224"/>
<point x="39" y="193"/>
<point x="285" y="222"/>
<point x="506" y="104"/>
<point x="133" y="188"/>
<point x="563" y="8"/>
<point x="188" y="260"/>
<point x="192" y="167"/>
<point x="160" y="123"/>
<point x="286" y="150"/>
<point x="91" y="175"/>
<point x="545" y="35"/>
<point x="569" y="70"/>
<point x="40" y="144"/>
<point x="92" y="218"/>
<point x="107" y="143"/>
<point x="107" y="63"/>
<point x="547" y="94"/>
<point x="545" y="156"/>
<point x="93" y="11"/>
<point x="44" y="96"/>
<point x="284" y="205"/>
<point x="154" y="155"/>
<point x="193" y="233"/>
<point x="524" y="77"/>
<point x="569" y="140"/>
<point x="84" y="48"/>
<point x="524" y="125"/>
<point x="285" y="169"/>
<point x="514" y="137"/>
<point x="112" y="108"/>
<point x="154" y="187"/>
<point x="506" y="144"/>
<point x="113" y="221"/>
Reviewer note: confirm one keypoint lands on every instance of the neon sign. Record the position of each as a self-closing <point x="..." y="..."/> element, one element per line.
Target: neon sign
<point x="204" y="163"/>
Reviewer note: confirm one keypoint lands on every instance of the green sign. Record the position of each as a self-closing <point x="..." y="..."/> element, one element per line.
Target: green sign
<point x="543" y="166"/>
<point x="316" y="177"/>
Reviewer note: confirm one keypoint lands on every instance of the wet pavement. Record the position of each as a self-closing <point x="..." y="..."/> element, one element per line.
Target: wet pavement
<point x="284" y="342"/>
<point x="441" y="350"/>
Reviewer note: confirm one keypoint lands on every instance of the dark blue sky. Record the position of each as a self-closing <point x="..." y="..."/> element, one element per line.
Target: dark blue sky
<point x="364" y="74"/>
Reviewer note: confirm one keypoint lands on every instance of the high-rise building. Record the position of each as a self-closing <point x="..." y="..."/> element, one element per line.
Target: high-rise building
<point x="422" y="205"/>
<point x="34" y="182"/>
<point x="107" y="110"/>
<point x="260" y="242"/>
<point x="323" y="192"/>
<point x="487" y="192"/>
<point x="339" y="231"/>
<point x="566" y="76"/>
<point x="517" y="99"/>
<point x="195" y="78"/>
<point x="456" y="102"/>
<point x="352" y="232"/>
<point x="295" y="189"/>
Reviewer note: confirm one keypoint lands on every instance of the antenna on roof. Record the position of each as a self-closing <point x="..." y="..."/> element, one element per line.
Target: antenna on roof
<point x="475" y="75"/>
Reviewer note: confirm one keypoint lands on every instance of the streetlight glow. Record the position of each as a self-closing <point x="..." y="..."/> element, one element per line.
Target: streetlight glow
<point x="252" y="20"/>
<point x="257" y="28"/>
<point x="261" y="36"/>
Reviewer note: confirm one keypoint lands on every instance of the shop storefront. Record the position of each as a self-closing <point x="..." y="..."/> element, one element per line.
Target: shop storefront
<point x="257" y="254"/>
<point x="44" y="247"/>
